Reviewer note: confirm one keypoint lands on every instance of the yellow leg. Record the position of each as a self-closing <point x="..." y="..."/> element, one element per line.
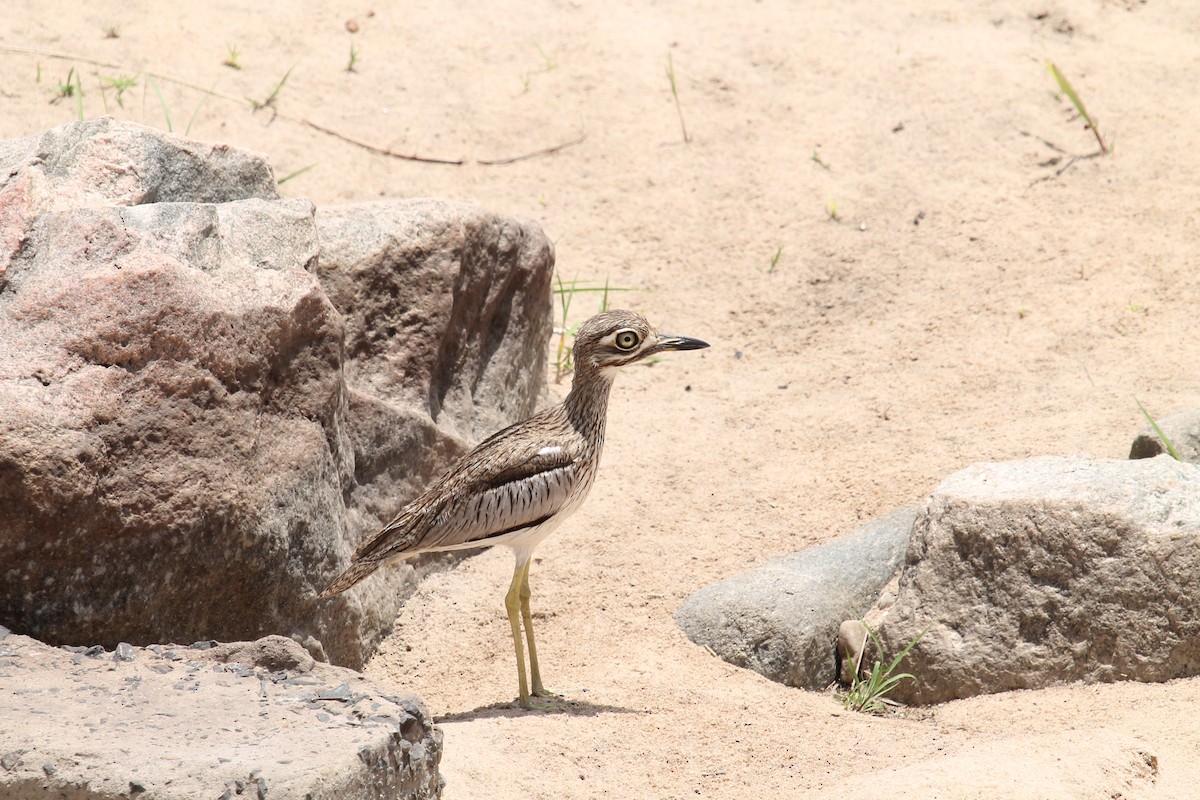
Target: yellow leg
<point x="513" y="603"/>
<point x="527" y="618"/>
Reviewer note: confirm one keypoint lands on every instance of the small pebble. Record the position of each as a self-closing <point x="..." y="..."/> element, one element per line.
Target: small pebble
<point x="136" y="787"/>
<point x="124" y="652"/>
<point x="339" y="692"/>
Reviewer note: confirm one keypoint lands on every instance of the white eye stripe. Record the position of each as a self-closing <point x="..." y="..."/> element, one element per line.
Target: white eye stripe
<point x="553" y="450"/>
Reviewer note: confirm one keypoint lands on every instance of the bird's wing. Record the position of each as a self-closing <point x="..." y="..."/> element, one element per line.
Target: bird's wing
<point x="498" y="488"/>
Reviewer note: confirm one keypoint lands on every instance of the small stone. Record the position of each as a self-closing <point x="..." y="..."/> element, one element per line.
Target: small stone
<point x="49" y="769"/>
<point x="340" y="692"/>
<point x="161" y="669"/>
<point x="72" y="648"/>
<point x="136" y="787"/>
<point x="262" y="788"/>
<point x="95" y="651"/>
<point x="4" y="632"/>
<point x="851" y="644"/>
<point x="352" y="25"/>
<point x="124" y="652"/>
<point x="10" y="759"/>
<point x="207" y="644"/>
<point x="171" y="655"/>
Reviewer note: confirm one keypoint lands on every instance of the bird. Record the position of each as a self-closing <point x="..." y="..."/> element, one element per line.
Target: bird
<point x="518" y="485"/>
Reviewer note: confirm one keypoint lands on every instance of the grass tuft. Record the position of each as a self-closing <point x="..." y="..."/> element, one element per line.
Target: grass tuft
<point x="120" y="84"/>
<point x="232" y="59"/>
<point x="870" y="694"/>
<point x="351" y="65"/>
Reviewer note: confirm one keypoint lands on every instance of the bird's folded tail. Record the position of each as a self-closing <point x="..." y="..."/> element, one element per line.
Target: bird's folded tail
<point x="355" y="573"/>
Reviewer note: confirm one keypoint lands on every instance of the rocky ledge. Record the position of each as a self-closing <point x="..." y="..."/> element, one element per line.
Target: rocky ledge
<point x="246" y="719"/>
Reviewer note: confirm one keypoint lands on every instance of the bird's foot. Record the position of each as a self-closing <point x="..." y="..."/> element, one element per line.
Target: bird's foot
<point x="543" y="700"/>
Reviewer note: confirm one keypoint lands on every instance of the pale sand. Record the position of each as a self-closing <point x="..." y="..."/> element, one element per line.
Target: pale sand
<point x="1021" y="316"/>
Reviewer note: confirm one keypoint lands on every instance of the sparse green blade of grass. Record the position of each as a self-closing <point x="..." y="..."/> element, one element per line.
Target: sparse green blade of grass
<point x="675" y="94"/>
<point x="196" y="110"/>
<point x="551" y="65"/>
<point x="279" y="87"/>
<point x="1073" y="96"/>
<point x="1158" y="431"/>
<point x="78" y="95"/>
<point x="775" y="259"/>
<point x="352" y="64"/>
<point x="295" y="174"/>
<point x="162" y="102"/>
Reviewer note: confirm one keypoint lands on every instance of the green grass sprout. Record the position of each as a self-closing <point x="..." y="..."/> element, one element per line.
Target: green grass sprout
<point x="675" y="94"/>
<point x="162" y="102"/>
<point x="274" y="95"/>
<point x="119" y="84"/>
<point x="1076" y="101"/>
<point x="295" y="174"/>
<point x="1158" y="431"/>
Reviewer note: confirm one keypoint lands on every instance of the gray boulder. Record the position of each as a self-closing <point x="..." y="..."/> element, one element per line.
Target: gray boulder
<point x="181" y="456"/>
<point x="1038" y="572"/>
<point x="1182" y="428"/>
<point x="248" y="719"/>
<point x="781" y="619"/>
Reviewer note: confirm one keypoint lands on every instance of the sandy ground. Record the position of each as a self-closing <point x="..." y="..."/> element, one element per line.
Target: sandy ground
<point x="969" y="303"/>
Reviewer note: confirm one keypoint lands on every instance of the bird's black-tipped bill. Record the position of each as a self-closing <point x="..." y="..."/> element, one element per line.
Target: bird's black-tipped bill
<point x="668" y="342"/>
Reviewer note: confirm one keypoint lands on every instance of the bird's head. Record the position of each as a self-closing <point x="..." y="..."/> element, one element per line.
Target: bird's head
<point x="616" y="338"/>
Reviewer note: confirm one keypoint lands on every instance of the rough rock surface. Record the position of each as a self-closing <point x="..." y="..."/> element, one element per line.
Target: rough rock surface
<point x="248" y="719"/>
<point x="1049" y="570"/>
<point x="104" y="162"/>
<point x="1182" y="428"/>
<point x="181" y="456"/>
<point x="781" y="619"/>
<point x="439" y="300"/>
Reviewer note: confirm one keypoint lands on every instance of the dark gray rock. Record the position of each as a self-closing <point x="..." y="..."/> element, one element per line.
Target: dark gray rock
<point x="781" y="619"/>
<point x="223" y="734"/>
<point x="1182" y="428"/>
<point x="1049" y="570"/>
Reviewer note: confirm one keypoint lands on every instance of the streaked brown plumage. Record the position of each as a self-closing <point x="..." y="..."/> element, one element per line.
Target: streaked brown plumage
<point x="519" y="484"/>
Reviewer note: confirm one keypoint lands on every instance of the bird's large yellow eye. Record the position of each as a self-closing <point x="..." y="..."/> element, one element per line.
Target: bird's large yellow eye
<point x="627" y="339"/>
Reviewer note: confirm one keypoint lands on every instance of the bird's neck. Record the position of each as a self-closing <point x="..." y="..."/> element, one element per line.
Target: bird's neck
<point x="587" y="403"/>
